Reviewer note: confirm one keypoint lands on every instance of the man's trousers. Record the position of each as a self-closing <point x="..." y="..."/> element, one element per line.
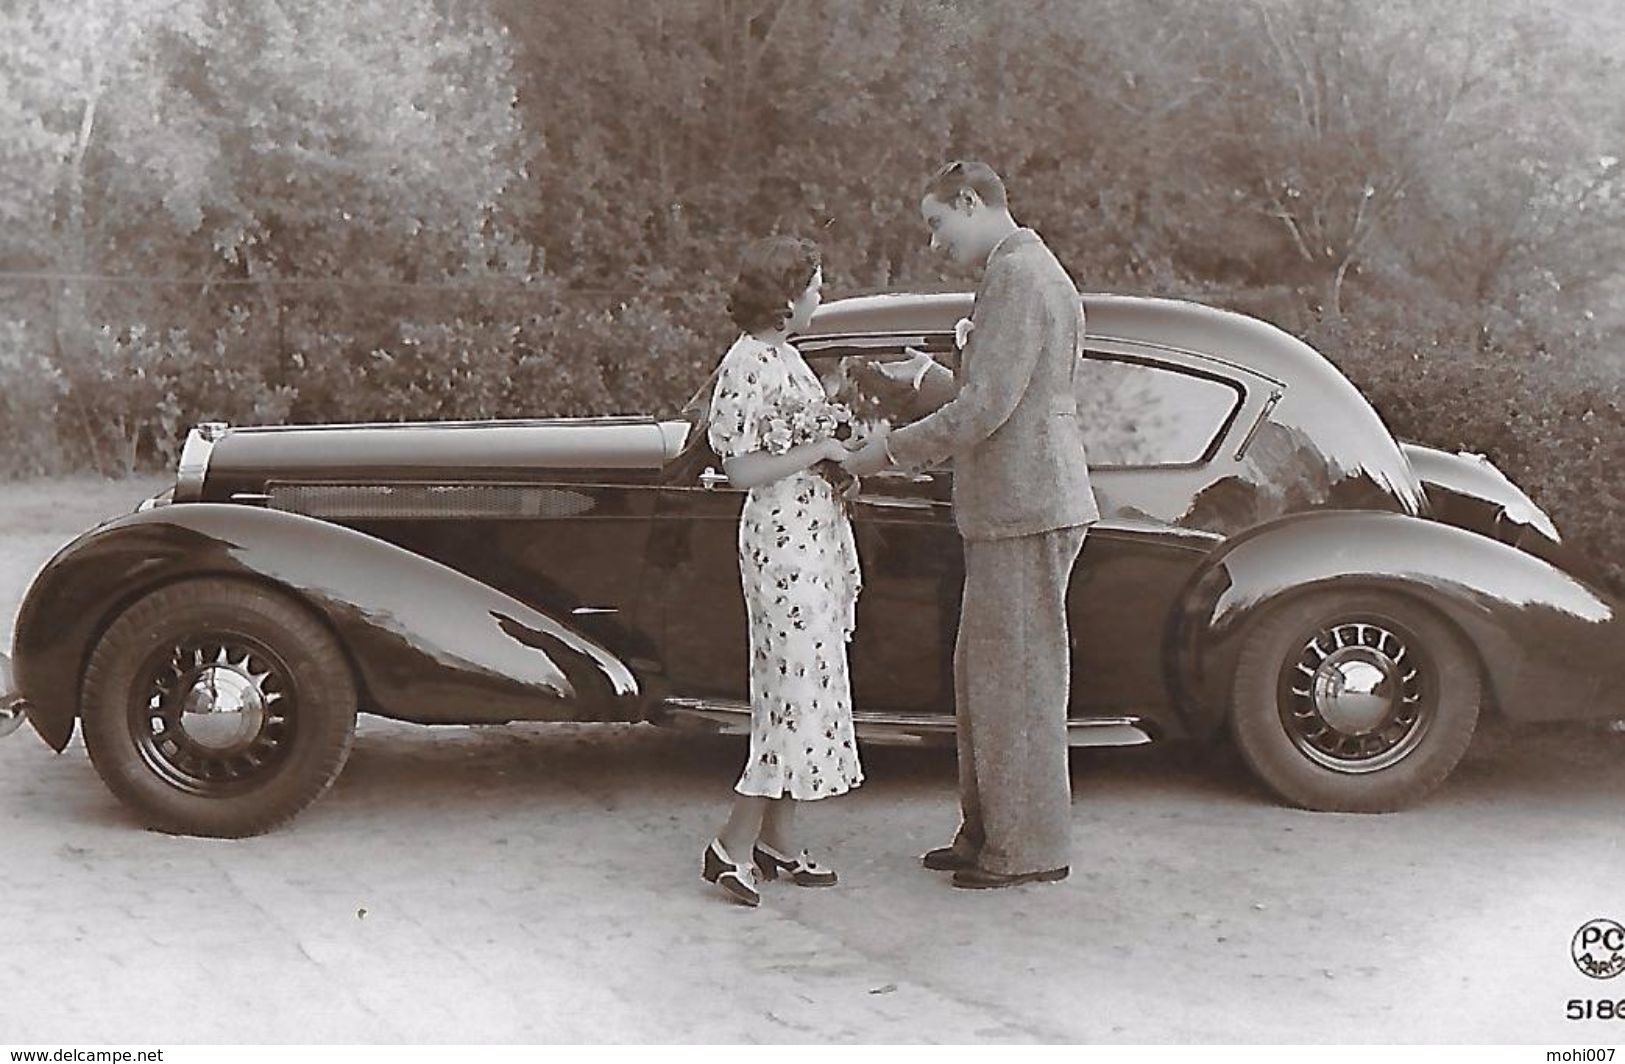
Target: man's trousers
<point x="1012" y="679"/>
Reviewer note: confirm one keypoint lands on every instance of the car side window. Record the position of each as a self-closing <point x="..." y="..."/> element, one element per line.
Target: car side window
<point x="1138" y="414"/>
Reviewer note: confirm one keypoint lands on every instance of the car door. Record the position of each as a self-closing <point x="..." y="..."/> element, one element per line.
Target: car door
<point x="908" y="546"/>
<point x="1165" y="432"/>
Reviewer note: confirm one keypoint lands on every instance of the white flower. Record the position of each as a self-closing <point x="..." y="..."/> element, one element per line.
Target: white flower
<point x="777" y="436"/>
<point x="962" y="330"/>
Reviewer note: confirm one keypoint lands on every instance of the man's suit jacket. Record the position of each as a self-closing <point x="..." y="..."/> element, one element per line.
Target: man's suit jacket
<point x="1011" y="424"/>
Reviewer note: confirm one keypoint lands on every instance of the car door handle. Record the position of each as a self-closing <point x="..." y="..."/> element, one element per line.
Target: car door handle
<point x="711" y="480"/>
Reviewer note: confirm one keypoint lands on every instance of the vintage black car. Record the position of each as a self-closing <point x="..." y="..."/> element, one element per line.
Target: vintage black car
<point x="1270" y="561"/>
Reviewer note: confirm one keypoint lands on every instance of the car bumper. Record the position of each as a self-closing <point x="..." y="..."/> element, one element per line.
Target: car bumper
<point x="13" y="706"/>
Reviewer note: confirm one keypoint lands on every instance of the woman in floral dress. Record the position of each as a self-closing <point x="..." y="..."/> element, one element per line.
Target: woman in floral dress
<point x="774" y="428"/>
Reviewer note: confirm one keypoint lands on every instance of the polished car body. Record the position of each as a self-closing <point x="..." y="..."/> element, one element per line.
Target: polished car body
<point x="586" y="570"/>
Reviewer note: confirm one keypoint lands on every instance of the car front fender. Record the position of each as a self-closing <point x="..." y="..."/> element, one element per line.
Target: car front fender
<point x="1551" y="645"/>
<point x="428" y="643"/>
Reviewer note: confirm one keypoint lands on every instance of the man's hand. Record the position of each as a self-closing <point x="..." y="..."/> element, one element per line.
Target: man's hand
<point x="904" y="370"/>
<point x="870" y="458"/>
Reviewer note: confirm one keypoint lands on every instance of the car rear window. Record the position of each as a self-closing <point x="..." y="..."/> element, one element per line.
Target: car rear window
<point x="1140" y="414"/>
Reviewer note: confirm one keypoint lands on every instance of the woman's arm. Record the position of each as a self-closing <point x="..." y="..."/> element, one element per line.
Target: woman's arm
<point x="760" y="467"/>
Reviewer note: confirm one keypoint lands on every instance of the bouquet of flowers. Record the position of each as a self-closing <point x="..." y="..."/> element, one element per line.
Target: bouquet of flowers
<point x="795" y="421"/>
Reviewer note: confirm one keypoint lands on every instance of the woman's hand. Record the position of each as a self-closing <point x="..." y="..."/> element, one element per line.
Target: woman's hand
<point x="762" y="467"/>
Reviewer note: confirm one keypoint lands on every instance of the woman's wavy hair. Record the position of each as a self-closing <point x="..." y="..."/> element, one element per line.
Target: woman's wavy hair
<point x="773" y="272"/>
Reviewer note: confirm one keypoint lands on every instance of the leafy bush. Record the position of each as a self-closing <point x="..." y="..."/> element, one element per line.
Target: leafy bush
<point x="31" y="387"/>
<point x="128" y="403"/>
<point x="140" y="391"/>
<point x="1553" y="421"/>
<point x="571" y="361"/>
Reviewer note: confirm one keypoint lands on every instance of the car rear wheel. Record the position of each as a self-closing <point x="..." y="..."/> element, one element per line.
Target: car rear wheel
<point x="217" y="707"/>
<point x="1354" y="701"/>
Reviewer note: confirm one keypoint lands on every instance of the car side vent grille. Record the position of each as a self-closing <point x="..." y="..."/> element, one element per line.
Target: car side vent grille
<point x="428" y="501"/>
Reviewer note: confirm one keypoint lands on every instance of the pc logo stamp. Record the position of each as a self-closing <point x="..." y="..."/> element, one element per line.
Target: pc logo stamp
<point x="1599" y="949"/>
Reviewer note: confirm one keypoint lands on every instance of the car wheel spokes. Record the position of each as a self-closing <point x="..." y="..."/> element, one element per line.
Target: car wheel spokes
<point x="1358" y="696"/>
<point x="214" y="716"/>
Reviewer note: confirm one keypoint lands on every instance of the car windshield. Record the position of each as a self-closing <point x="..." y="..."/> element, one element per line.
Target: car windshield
<point x="697" y="411"/>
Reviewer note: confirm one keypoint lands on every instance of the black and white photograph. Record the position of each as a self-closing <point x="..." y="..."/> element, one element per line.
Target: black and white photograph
<point x="814" y="523"/>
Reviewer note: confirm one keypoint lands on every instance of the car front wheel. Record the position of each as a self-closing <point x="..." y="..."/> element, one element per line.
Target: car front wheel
<point x="217" y="707"/>
<point x="1354" y="701"/>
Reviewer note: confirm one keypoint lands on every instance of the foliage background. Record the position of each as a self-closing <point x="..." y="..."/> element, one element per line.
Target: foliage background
<point x="311" y="210"/>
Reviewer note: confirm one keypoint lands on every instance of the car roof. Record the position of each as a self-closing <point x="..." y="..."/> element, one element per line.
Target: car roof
<point x="1178" y="324"/>
<point x="1316" y="399"/>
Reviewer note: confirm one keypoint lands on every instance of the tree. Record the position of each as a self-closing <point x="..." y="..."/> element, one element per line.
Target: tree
<point x="1333" y="112"/>
<point x="85" y="154"/>
<point x="286" y="141"/>
<point x="372" y="138"/>
<point x="292" y="137"/>
<point x="1528" y="224"/>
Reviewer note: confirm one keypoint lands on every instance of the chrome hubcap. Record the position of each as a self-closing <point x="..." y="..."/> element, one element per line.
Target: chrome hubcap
<point x="216" y="716"/>
<point x="1354" y="689"/>
<point x="224" y="708"/>
<point x="1357" y="698"/>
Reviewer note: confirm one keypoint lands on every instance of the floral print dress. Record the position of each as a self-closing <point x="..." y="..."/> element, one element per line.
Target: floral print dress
<point x="799" y="568"/>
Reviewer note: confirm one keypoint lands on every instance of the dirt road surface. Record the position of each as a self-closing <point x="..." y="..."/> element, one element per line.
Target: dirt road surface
<point x="539" y="883"/>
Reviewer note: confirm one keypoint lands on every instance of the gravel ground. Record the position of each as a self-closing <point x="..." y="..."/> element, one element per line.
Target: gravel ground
<point x="539" y="883"/>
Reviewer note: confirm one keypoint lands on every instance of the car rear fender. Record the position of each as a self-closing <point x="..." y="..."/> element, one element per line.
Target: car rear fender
<point x="1551" y="645"/>
<point x="430" y="644"/>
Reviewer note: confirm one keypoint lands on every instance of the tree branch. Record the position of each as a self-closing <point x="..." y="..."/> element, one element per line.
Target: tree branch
<point x="1288" y="219"/>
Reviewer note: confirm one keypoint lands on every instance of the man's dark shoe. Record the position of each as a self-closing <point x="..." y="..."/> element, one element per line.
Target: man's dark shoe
<point x="946" y="859"/>
<point x="982" y="879"/>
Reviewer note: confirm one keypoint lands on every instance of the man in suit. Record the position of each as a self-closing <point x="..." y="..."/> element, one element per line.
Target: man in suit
<point x="1022" y="502"/>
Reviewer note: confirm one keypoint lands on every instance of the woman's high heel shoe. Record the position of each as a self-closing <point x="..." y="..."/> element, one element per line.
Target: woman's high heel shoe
<point x="737" y="881"/>
<point x="801" y="868"/>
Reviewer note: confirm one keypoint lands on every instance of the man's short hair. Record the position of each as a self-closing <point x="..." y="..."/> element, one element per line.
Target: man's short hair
<point x="967" y="175"/>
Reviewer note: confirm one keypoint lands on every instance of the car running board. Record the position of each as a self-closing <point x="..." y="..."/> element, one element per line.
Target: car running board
<point x="729" y="717"/>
